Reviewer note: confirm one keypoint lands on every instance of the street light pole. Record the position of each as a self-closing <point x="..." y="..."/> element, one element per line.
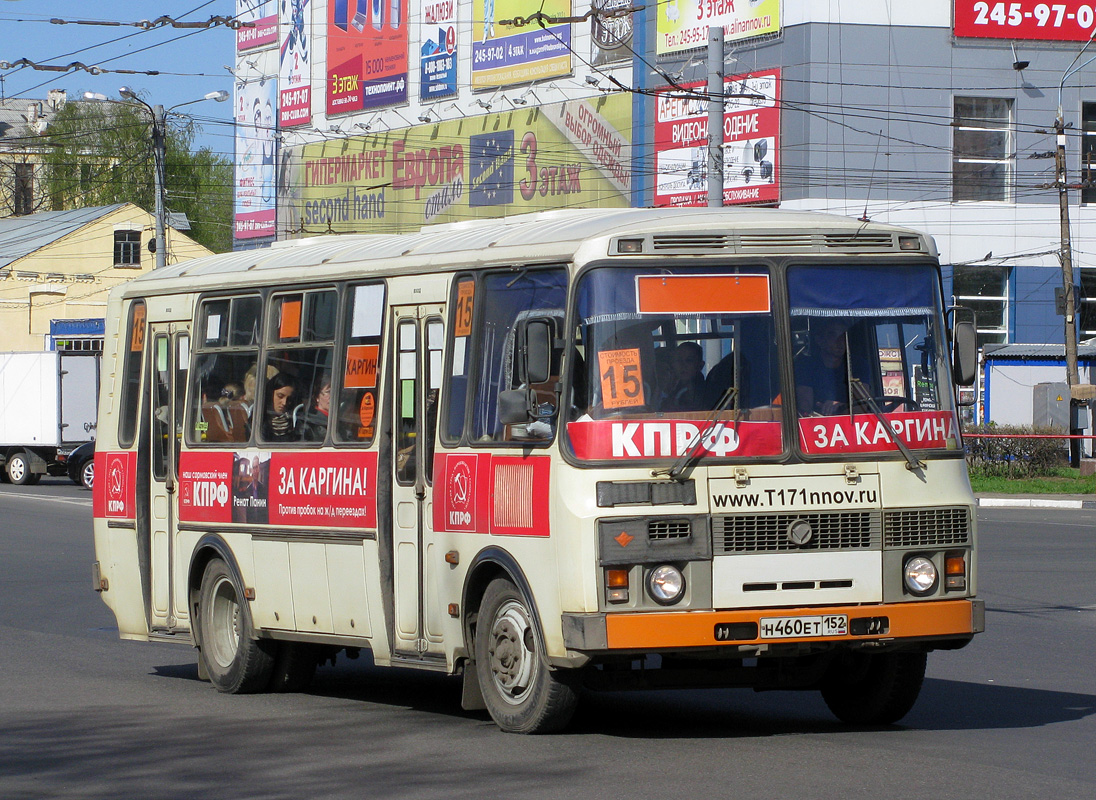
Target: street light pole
<point x="159" y="155"/>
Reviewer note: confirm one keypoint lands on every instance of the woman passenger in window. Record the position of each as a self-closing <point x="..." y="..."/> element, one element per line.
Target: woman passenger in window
<point x="279" y="420"/>
<point x="314" y="427"/>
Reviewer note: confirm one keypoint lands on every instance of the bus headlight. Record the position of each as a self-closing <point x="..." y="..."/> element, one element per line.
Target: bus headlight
<point x="920" y="575"/>
<point x="665" y="584"/>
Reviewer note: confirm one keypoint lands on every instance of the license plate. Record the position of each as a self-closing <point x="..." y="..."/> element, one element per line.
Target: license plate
<point x="797" y="627"/>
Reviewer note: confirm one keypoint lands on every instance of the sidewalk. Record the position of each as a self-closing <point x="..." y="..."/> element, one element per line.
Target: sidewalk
<point x="997" y="500"/>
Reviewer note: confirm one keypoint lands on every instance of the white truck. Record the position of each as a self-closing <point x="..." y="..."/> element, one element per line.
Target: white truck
<point x="48" y="407"/>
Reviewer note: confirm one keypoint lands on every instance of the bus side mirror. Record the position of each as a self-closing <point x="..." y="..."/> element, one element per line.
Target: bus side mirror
<point x="538" y="351"/>
<point x="964" y="352"/>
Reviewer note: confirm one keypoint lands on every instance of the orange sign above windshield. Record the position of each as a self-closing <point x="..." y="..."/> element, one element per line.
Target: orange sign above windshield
<point x="702" y="294"/>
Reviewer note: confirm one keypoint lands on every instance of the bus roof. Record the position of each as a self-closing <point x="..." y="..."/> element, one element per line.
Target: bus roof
<point x="539" y="237"/>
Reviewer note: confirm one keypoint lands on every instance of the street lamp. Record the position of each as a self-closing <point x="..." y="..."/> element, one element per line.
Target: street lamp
<point x="159" y="152"/>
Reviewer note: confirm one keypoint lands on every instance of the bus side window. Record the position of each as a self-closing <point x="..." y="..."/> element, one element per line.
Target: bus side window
<point x="224" y="379"/>
<point x="435" y="340"/>
<point x="356" y="409"/>
<point x="463" y="305"/>
<point x="295" y="406"/>
<point x="134" y="350"/>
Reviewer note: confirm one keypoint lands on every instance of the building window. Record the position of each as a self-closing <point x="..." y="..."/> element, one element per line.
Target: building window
<point x="24" y="189"/>
<point x="1088" y="302"/>
<point x="982" y="149"/>
<point x="127" y="248"/>
<point x="984" y="289"/>
<point x="1088" y="153"/>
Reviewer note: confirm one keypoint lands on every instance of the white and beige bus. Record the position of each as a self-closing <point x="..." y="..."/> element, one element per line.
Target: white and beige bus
<point x="576" y="449"/>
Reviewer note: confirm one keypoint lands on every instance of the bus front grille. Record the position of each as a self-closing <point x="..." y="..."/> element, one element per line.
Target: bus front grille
<point x="775" y="533"/>
<point x="926" y="527"/>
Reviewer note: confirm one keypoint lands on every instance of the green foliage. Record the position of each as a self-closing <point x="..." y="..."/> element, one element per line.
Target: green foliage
<point x="1007" y="455"/>
<point x="101" y="154"/>
<point x="1066" y="481"/>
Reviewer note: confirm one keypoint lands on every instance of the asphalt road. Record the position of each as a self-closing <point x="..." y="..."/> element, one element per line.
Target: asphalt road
<point x="84" y="715"/>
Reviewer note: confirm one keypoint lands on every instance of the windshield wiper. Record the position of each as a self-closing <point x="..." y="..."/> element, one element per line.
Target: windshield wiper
<point x="694" y="451"/>
<point x="856" y="386"/>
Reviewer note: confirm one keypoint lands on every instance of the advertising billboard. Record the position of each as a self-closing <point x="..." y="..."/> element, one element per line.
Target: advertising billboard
<point x="611" y="36"/>
<point x="503" y="55"/>
<point x="1062" y="21"/>
<point x="263" y="31"/>
<point x="683" y="24"/>
<point x="438" y="50"/>
<point x="575" y="154"/>
<point x="256" y="154"/>
<point x="366" y="54"/>
<point x="295" y="64"/>
<point x="751" y="136"/>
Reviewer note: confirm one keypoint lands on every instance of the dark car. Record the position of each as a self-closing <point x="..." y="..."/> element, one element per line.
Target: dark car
<point x="81" y="465"/>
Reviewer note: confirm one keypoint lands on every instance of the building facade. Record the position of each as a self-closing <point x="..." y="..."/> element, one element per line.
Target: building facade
<point x="57" y="268"/>
<point x="940" y="115"/>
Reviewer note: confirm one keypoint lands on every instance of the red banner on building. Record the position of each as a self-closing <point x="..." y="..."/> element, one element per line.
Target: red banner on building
<point x="1064" y="20"/>
<point x="751" y="136"/>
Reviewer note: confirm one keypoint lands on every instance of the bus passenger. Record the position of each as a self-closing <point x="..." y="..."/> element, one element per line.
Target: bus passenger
<point x="278" y="422"/>
<point x="314" y="425"/>
<point x="686" y="390"/>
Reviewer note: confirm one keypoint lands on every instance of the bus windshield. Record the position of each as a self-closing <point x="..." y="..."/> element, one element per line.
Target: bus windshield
<point x="867" y="359"/>
<point x="670" y="359"/>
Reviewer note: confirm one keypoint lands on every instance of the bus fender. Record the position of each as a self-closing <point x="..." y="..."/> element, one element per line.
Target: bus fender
<point x="210" y="546"/>
<point x="490" y="563"/>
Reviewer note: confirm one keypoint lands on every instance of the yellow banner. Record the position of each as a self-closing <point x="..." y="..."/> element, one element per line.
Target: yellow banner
<point x="575" y="154"/>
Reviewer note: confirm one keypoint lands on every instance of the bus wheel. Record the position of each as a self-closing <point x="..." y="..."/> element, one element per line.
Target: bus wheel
<point x="236" y="662"/>
<point x="876" y="689"/>
<point x="294" y="667"/>
<point x="521" y="692"/>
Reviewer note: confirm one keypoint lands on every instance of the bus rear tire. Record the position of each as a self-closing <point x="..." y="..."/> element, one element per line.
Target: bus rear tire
<point x="521" y="692"/>
<point x="235" y="661"/>
<point x="294" y="667"/>
<point x="875" y="689"/>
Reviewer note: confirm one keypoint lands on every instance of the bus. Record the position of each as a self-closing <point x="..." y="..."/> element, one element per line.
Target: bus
<point x="568" y="451"/>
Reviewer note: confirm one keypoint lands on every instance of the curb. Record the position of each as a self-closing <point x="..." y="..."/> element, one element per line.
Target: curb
<point x="1025" y="502"/>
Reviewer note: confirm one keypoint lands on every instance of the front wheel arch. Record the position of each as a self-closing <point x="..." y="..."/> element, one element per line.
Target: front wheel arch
<point x="491" y="563"/>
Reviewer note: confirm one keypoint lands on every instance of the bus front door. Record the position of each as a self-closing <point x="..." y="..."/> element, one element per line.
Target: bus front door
<point x="419" y="333"/>
<point x="163" y="420"/>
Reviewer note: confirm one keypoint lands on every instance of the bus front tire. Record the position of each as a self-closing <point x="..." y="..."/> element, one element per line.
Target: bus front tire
<point x="875" y="689"/>
<point x="235" y="661"/>
<point x="521" y="692"/>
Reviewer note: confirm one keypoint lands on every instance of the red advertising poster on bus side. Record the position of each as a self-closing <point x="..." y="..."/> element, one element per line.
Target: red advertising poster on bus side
<point x="333" y="490"/>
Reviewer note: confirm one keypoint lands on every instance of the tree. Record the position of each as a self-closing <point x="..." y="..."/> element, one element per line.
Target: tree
<point x="100" y="153"/>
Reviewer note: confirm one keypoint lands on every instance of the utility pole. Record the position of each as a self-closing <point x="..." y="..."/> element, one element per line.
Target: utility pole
<point x="715" y="116"/>
<point x="159" y="150"/>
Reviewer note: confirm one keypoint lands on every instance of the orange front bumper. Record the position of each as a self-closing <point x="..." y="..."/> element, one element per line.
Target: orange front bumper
<point x="923" y="620"/>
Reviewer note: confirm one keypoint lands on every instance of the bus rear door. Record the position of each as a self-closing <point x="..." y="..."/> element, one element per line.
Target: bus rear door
<point x="170" y="355"/>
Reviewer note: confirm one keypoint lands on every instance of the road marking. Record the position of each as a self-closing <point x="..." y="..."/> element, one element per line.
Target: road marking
<point x="65" y="500"/>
